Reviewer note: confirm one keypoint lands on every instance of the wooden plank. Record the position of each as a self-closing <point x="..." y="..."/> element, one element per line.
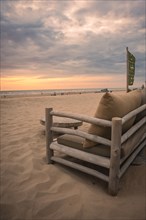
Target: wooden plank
<point x="49" y="135"/>
<point x="133" y="113"/>
<point x="79" y="154"/>
<point x="131" y="158"/>
<point x="133" y="129"/>
<point x="115" y="156"/>
<point x="83" y="134"/>
<point x="81" y="168"/>
<point x="64" y="122"/>
<point x="138" y="142"/>
<point x="83" y="118"/>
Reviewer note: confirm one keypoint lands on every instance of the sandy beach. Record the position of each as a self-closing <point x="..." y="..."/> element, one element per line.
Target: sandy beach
<point x="33" y="190"/>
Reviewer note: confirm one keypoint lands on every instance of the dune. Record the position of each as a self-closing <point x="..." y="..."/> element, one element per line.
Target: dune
<point x="32" y="189"/>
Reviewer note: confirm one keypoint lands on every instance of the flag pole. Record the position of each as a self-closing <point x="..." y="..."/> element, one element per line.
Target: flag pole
<point x="127" y="89"/>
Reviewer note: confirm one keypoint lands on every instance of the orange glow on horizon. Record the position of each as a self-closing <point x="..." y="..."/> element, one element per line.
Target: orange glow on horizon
<point x="33" y="83"/>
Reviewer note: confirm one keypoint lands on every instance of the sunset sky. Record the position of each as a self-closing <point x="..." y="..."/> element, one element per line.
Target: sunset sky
<point x="63" y="44"/>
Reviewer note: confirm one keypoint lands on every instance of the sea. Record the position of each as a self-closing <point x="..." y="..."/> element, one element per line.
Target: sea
<point x="55" y="92"/>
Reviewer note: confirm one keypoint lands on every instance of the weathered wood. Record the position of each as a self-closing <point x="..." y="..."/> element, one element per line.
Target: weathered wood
<point x="64" y="122"/>
<point x="81" y="168"/>
<point x="131" y="158"/>
<point x="115" y="155"/>
<point x="83" y="134"/>
<point x="133" y="129"/>
<point x="136" y="146"/>
<point x="114" y="162"/>
<point x="49" y="135"/>
<point x="91" y="158"/>
<point x="83" y="118"/>
<point x="133" y="113"/>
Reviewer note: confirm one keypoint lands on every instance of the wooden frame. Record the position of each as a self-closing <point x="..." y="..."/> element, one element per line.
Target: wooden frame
<point x="114" y="164"/>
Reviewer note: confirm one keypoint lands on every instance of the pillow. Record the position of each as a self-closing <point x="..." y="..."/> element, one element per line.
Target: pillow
<point x="143" y="93"/>
<point x="143" y="101"/>
<point x="114" y="105"/>
<point x="129" y="145"/>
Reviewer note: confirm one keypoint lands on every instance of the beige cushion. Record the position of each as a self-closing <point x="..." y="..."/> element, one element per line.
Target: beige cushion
<point x="129" y="145"/>
<point x="76" y="142"/>
<point x="71" y="141"/>
<point x="99" y="149"/>
<point x="114" y="105"/>
<point x="143" y="101"/>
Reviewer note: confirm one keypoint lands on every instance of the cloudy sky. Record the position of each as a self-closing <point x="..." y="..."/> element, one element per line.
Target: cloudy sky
<point x="71" y="44"/>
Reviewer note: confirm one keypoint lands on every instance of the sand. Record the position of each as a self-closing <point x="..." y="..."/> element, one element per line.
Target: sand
<point x="32" y="189"/>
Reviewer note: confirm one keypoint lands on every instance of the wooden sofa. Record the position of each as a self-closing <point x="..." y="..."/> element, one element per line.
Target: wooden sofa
<point x="116" y="135"/>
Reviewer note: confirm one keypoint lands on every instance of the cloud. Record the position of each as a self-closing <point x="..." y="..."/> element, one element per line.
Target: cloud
<point x="70" y="38"/>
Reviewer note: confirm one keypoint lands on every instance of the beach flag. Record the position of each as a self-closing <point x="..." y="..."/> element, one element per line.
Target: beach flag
<point x="131" y="68"/>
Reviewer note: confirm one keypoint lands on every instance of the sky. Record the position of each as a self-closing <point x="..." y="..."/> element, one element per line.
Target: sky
<point x="66" y="44"/>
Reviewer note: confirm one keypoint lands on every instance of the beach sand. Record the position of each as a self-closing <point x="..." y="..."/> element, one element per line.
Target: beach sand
<point x="32" y="189"/>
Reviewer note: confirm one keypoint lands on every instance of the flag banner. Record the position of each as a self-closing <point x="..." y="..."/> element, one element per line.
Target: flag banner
<point x="131" y="69"/>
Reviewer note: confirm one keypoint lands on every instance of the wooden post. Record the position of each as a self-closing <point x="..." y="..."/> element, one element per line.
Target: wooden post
<point x="127" y="74"/>
<point x="49" y="135"/>
<point x="115" y="155"/>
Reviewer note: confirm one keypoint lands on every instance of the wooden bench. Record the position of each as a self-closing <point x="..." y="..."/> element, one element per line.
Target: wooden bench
<point x="114" y="154"/>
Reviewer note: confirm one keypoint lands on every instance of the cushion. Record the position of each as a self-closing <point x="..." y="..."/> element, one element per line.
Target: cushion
<point x="77" y="143"/>
<point x="99" y="149"/>
<point x="129" y="145"/>
<point x="113" y="105"/>
<point x="71" y="141"/>
<point x="143" y="101"/>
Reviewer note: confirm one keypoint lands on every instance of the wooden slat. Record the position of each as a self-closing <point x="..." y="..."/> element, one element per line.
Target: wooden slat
<point x="131" y="158"/>
<point x="91" y="158"/>
<point x="139" y="141"/>
<point x="82" y="134"/>
<point x="81" y="168"/>
<point x="133" y="113"/>
<point x="83" y="118"/>
<point x="63" y="122"/>
<point x="133" y="129"/>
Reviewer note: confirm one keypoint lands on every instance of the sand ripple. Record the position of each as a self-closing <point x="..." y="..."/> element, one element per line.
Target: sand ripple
<point x="32" y="189"/>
